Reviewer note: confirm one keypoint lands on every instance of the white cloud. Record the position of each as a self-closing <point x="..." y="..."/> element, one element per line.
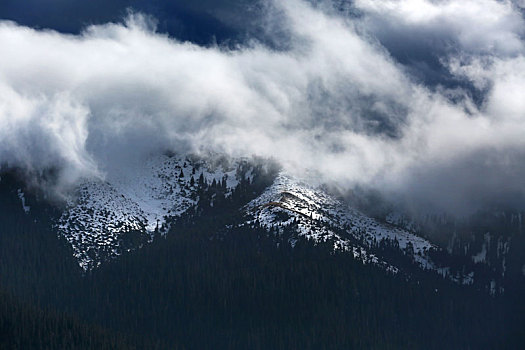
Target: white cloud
<point x="477" y="26"/>
<point x="334" y="102"/>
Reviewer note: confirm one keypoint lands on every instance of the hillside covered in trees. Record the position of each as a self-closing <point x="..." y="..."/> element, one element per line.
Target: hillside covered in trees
<point x="204" y="287"/>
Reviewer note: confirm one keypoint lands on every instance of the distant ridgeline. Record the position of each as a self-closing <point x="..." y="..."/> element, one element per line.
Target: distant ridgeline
<point x="250" y="257"/>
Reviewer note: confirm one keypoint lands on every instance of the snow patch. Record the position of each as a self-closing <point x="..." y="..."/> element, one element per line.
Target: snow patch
<point x="481" y="257"/>
<point x="22" y="198"/>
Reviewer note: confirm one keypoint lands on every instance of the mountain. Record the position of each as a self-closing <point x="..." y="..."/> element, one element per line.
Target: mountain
<point x="103" y="216"/>
<point x="310" y="213"/>
<point x="248" y="256"/>
<point x="124" y="211"/>
<point x="129" y="208"/>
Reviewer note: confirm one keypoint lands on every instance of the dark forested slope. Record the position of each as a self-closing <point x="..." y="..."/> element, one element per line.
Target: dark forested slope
<point x="204" y="287"/>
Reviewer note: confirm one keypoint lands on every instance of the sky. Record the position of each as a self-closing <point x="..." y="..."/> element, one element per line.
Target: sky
<point x="422" y="100"/>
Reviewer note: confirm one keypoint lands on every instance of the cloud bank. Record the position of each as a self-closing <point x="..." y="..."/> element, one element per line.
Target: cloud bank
<point x="338" y="100"/>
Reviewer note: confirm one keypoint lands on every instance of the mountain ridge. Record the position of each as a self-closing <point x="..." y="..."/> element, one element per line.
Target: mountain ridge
<point x="105" y="218"/>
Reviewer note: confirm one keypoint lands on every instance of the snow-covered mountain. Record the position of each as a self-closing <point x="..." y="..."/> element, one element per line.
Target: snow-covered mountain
<point x="123" y="211"/>
<point x="315" y="215"/>
<point x="105" y="215"/>
<point x="130" y="207"/>
<point x="138" y="202"/>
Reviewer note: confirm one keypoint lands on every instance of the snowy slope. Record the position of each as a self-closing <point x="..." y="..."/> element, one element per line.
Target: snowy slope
<point x="138" y="200"/>
<point x="106" y="217"/>
<point x="122" y="212"/>
<point x="318" y="216"/>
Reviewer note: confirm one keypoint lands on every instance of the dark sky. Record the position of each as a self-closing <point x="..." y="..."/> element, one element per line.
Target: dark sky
<point x="199" y="21"/>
